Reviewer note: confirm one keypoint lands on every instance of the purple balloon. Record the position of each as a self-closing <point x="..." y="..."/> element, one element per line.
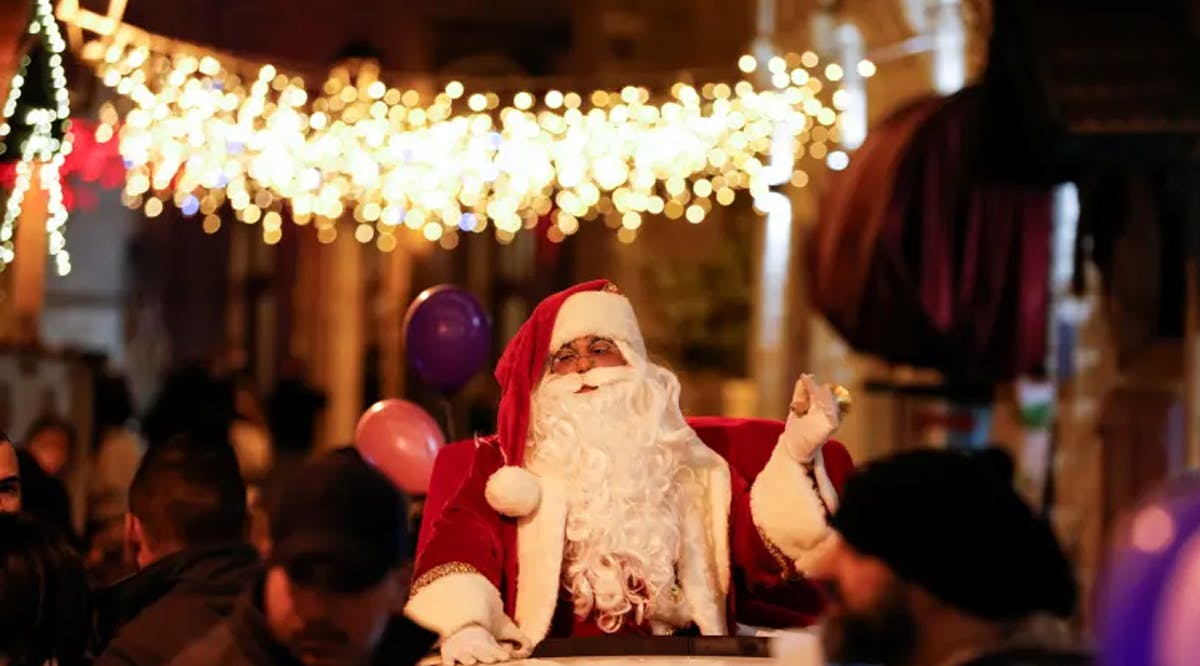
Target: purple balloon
<point x="1150" y="582"/>
<point x="447" y="337"/>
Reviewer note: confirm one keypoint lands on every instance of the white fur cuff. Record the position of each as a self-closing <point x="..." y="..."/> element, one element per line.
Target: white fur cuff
<point x="455" y="601"/>
<point x="513" y="491"/>
<point x="813" y="560"/>
<point x="786" y="507"/>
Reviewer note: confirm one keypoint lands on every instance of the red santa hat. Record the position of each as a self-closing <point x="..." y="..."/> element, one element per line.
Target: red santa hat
<point x="592" y="308"/>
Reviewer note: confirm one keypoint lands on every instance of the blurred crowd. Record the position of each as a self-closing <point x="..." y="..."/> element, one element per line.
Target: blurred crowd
<point x="268" y="435"/>
<point x="212" y="533"/>
<point x="215" y="534"/>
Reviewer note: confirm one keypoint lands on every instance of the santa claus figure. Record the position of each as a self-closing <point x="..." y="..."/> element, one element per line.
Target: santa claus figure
<point x="597" y="508"/>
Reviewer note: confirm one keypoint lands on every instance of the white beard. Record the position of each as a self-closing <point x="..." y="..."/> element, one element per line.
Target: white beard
<point x="621" y="452"/>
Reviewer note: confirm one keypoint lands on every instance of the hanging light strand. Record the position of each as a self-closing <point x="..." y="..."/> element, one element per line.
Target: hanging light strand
<point x="197" y="133"/>
<point x="44" y="145"/>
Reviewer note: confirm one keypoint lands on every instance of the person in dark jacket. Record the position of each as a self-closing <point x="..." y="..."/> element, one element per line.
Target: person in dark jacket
<point x="186" y="530"/>
<point x="332" y="591"/>
<point x="940" y="563"/>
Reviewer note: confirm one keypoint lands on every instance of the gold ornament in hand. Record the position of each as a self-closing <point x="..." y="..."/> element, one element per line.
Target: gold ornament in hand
<point x="844" y="400"/>
<point x="806" y="388"/>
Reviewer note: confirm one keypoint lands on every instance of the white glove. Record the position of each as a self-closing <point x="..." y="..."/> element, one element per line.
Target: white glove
<point x="475" y="645"/>
<point x="812" y="419"/>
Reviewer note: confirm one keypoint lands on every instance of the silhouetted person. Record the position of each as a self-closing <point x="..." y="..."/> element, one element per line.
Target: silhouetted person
<point x="941" y="563"/>
<point x="186" y="530"/>
<point x="44" y="496"/>
<point x="45" y="611"/>
<point x="292" y="411"/>
<point x="191" y="402"/>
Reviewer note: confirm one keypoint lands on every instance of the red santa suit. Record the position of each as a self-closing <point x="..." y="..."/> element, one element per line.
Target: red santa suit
<point x="754" y="496"/>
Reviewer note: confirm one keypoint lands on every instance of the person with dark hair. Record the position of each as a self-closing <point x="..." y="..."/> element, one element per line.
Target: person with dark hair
<point x="45" y="610"/>
<point x="186" y="530"/>
<point x="10" y="476"/>
<point x="940" y="563"/>
<point x="44" y="496"/>
<point x="52" y="441"/>
<point x="999" y="461"/>
<point x="331" y="593"/>
<point x="191" y="402"/>
<point x="292" y="412"/>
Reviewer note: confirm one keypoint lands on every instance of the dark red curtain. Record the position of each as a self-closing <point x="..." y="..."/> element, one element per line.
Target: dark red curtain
<point x="916" y="261"/>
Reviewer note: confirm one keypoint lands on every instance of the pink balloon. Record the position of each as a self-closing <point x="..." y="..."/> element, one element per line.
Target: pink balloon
<point x="401" y="440"/>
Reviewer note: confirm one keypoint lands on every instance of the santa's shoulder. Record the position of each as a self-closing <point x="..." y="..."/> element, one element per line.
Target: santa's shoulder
<point x="487" y="452"/>
<point x="479" y="456"/>
<point x="746" y="444"/>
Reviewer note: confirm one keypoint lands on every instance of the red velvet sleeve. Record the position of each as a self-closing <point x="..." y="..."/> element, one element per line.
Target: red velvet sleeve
<point x="765" y="591"/>
<point x="468" y="530"/>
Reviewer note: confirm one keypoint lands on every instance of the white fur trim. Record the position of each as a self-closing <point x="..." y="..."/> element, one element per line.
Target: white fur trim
<point x="455" y="601"/>
<point x="704" y="562"/>
<point x="703" y="567"/>
<point x="813" y="559"/>
<point x="539" y="562"/>
<point x="720" y="503"/>
<point x="513" y="491"/>
<point x="596" y="313"/>
<point x="785" y="507"/>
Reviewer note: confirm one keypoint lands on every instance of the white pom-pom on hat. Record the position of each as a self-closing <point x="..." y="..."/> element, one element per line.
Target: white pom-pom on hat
<point x="513" y="491"/>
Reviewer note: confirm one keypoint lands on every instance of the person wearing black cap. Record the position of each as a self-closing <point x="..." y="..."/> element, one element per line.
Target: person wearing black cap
<point x="332" y="590"/>
<point x="940" y="563"/>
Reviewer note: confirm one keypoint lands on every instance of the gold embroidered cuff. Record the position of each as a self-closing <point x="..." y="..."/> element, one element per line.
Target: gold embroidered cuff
<point x="787" y="571"/>
<point x="440" y="571"/>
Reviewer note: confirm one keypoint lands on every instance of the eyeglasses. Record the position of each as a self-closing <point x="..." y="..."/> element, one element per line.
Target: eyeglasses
<point x="585" y="353"/>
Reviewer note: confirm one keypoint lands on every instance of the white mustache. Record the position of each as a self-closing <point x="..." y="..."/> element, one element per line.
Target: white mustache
<point x="596" y="377"/>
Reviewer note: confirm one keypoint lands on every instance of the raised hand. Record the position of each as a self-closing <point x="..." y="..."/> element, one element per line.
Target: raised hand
<point x="812" y="418"/>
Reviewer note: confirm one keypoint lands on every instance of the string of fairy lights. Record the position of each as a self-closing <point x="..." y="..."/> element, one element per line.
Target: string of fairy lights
<point x="200" y="130"/>
<point x="42" y="138"/>
<point x="196" y="134"/>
